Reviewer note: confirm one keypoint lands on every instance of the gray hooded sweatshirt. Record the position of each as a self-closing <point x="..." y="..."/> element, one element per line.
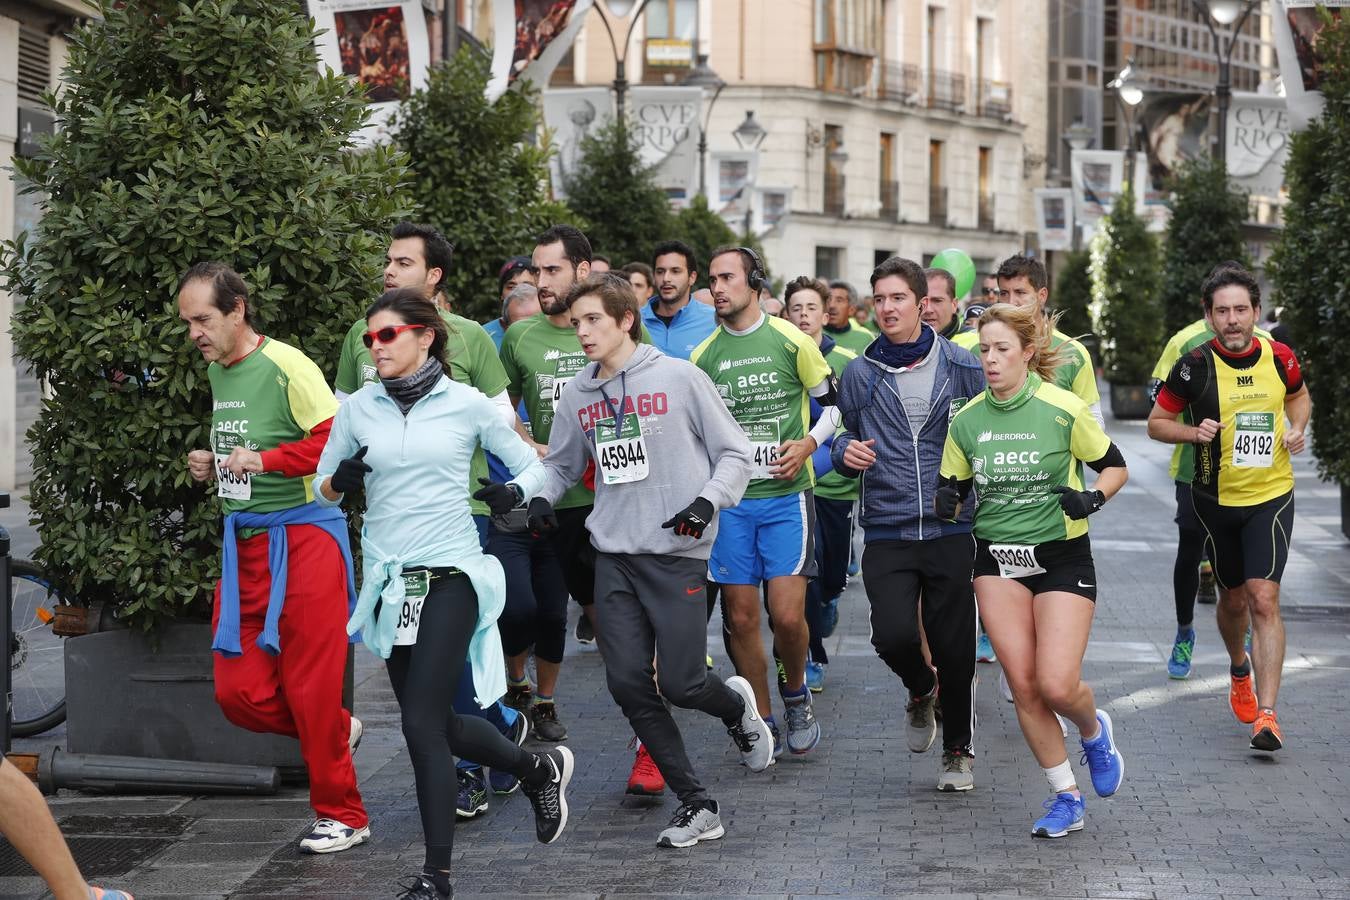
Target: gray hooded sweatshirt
<point x="694" y="448"/>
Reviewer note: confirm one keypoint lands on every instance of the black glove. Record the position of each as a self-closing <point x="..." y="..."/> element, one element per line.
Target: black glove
<point x="351" y="473"/>
<point x="500" y="498"/>
<point x="542" y="519"/>
<point x="948" y="500"/>
<point x="692" y="520"/>
<point x="1078" y="504"/>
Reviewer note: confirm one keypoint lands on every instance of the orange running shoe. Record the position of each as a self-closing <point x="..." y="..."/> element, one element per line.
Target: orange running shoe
<point x="1242" y="697"/>
<point x="1266" y="732"/>
<point x="645" y="780"/>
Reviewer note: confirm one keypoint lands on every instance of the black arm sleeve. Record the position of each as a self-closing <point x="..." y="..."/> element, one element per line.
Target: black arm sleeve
<point x="1111" y="460"/>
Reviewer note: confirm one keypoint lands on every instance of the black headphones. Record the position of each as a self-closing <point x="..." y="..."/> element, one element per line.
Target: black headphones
<point x="757" y="277"/>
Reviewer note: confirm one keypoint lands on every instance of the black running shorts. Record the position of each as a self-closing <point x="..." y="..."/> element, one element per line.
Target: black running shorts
<point x="1067" y="565"/>
<point x="1245" y="542"/>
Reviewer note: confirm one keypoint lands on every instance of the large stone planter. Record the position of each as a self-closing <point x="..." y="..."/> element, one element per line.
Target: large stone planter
<point x="1130" y="401"/>
<point x="131" y="695"/>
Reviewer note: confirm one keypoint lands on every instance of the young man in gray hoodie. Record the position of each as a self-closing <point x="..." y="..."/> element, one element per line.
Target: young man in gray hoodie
<point x="667" y="456"/>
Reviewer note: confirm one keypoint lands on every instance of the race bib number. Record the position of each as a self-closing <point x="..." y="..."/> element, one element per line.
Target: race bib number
<point x="1254" y="440"/>
<point x="1016" y="560"/>
<point x="558" y="385"/>
<point x="623" y="457"/>
<point x="564" y="370"/>
<point x="764" y="440"/>
<point x="416" y="586"/>
<point x="230" y="486"/>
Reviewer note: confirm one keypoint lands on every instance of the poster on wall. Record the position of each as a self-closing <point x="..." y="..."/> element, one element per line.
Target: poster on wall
<point x="382" y="46"/>
<point x="1054" y="218"/>
<point x="530" y="38"/>
<point x="1098" y="176"/>
<point x="1150" y="196"/>
<point x="1298" y="26"/>
<point x="1258" y="143"/>
<point x="664" y="120"/>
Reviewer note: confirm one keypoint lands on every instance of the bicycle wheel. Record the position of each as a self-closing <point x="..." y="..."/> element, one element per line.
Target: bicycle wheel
<point x="37" y="666"/>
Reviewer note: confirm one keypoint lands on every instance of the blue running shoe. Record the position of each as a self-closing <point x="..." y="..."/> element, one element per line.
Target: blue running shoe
<point x="815" y="676"/>
<point x="984" y="650"/>
<point x="778" y="745"/>
<point x="471" y="800"/>
<point x="1103" y="759"/>
<point x="1065" y="814"/>
<point x="829" y="617"/>
<point x="1179" y="666"/>
<point x="502" y="783"/>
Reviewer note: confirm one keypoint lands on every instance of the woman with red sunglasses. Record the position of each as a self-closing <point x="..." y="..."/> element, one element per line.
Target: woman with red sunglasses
<point x="430" y="597"/>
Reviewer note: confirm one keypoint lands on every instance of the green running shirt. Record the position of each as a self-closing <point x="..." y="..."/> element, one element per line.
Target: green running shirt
<point x="764" y="377"/>
<point x="832" y="485"/>
<point x="273" y="396"/>
<point x="1017" y="455"/>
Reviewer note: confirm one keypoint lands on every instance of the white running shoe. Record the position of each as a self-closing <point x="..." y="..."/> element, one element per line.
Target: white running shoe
<point x="751" y="733"/>
<point x="331" y="836"/>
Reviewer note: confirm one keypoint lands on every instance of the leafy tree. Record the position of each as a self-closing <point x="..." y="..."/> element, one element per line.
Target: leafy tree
<point x="702" y="229"/>
<point x="476" y="176"/>
<point x="1125" y="284"/>
<point x="1205" y="229"/>
<point x="172" y="151"/>
<point x="612" y="190"/>
<point x="1311" y="260"/>
<point x="1072" y="296"/>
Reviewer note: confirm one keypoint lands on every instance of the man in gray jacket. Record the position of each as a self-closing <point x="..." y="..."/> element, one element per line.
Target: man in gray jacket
<point x="667" y="456"/>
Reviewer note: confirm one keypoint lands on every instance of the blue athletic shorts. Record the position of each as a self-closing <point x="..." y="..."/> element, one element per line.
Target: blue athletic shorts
<point x="763" y="538"/>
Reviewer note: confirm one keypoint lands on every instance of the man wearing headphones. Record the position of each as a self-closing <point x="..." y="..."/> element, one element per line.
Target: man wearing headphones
<point x="764" y="369"/>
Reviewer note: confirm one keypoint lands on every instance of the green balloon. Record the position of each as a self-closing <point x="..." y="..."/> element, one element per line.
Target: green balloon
<point x="959" y="263"/>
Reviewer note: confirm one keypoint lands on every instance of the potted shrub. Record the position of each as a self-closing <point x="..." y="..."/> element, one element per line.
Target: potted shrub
<point x="1205" y="228"/>
<point x="170" y="152"/>
<point x="1125" y="292"/>
<point x="1310" y="261"/>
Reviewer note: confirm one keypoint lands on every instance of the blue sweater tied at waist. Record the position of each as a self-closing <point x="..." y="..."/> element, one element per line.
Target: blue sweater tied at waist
<point x="331" y="520"/>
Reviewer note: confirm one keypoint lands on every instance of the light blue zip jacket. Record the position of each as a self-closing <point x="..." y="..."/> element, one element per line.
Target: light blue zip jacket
<point x="417" y="506"/>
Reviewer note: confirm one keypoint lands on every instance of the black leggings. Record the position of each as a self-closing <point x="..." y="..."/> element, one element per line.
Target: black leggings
<point x="1186" y="573"/>
<point x="424" y="677"/>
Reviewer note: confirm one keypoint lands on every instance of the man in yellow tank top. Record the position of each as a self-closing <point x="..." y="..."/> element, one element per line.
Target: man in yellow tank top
<point x="1240" y="389"/>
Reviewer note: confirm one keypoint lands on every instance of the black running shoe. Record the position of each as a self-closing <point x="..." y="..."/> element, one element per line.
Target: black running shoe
<point x="550" y="798"/>
<point x="419" y="887"/>
<point x="585" y="633"/>
<point x="544" y="721"/>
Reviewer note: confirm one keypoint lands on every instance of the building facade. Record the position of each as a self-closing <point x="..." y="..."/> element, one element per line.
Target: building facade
<point x="891" y="126"/>
<point x="32" y="54"/>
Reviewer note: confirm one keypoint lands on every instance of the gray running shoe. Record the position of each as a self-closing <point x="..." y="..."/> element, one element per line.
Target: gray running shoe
<point x="921" y="723"/>
<point x="544" y="721"/>
<point x="751" y="733"/>
<point x="956" y="774"/>
<point x="693" y="822"/>
<point x="803" y="729"/>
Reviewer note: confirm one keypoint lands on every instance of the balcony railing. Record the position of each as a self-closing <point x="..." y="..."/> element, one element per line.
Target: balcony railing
<point x="834" y="194"/>
<point x="986" y="221"/>
<point x="993" y="99"/>
<point x="903" y="82"/>
<point x="946" y="90"/>
<point x="890" y="201"/>
<point x="937" y="206"/>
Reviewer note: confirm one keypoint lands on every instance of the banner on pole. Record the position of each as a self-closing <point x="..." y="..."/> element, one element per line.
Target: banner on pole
<point x="1298" y="25"/>
<point x="1054" y="218"/>
<point x="382" y="46"/>
<point x="1258" y="143"/>
<point x="1098" y="176"/>
<point x="664" y="120"/>
<point x="529" y="38"/>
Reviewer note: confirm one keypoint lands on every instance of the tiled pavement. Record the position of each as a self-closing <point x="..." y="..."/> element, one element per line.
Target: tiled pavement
<point x="1199" y="815"/>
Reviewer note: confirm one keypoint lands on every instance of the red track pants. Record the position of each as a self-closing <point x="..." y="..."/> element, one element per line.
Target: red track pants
<point x="299" y="692"/>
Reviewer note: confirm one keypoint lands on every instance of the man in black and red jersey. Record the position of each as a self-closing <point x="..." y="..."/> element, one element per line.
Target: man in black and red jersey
<point x="1240" y="389"/>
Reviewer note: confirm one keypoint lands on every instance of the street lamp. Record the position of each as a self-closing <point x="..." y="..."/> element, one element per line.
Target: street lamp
<point x="1128" y="95"/>
<point x="620" y="9"/>
<point x="1224" y="12"/>
<point x="704" y="77"/>
<point x="749" y="134"/>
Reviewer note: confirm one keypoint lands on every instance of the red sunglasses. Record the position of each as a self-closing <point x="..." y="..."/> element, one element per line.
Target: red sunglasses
<point x="386" y="334"/>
